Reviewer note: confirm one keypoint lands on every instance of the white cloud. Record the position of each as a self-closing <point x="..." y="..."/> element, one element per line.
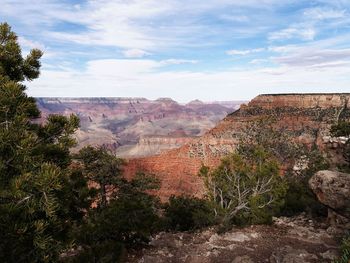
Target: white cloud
<point x="234" y="52"/>
<point x="120" y="68"/>
<point x="174" y="61"/>
<point x="331" y="54"/>
<point x="324" y="13"/>
<point x="135" y="53"/>
<point x="30" y="44"/>
<point x="144" y="78"/>
<point x="128" y="68"/>
<point x="309" y="57"/>
<point x="258" y="61"/>
<point x="147" y="25"/>
<point x="122" y="24"/>
<point x="175" y="28"/>
<point x="27" y="45"/>
<point x="235" y="18"/>
<point x="296" y="31"/>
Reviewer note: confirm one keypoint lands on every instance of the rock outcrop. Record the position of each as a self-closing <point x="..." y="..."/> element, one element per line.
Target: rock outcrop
<point x="333" y="190"/>
<point x="305" y="117"/>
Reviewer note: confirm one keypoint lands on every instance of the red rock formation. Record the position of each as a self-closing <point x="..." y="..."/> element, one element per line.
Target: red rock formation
<point x="306" y="117"/>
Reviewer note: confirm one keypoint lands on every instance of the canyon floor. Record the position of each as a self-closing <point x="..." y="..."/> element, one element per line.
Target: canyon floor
<point x="289" y="240"/>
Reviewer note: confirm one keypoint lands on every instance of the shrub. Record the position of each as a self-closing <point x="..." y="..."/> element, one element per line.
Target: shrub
<point x="126" y="220"/>
<point x="263" y="133"/>
<point x="245" y="190"/>
<point x="185" y="213"/>
<point x="345" y="250"/>
<point x="299" y="197"/>
<point x="124" y="223"/>
<point x="343" y="129"/>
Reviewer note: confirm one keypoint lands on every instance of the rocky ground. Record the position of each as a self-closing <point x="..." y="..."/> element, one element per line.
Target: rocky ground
<point x="287" y="240"/>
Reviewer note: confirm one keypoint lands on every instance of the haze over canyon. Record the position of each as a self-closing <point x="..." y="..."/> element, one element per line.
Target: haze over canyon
<point x="134" y="127"/>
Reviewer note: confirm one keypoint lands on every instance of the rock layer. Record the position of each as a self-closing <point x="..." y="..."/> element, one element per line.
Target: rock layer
<point x="121" y="123"/>
<point x="305" y="117"/>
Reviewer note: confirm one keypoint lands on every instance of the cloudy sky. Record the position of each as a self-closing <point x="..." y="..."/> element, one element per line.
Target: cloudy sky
<point x="185" y="49"/>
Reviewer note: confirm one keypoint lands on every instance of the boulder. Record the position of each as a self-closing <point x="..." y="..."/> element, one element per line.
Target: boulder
<point x="333" y="190"/>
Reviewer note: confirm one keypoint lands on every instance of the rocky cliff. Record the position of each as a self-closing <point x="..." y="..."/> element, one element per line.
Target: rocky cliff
<point x="305" y="117"/>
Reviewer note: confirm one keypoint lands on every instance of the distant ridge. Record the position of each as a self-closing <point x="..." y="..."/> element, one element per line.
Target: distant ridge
<point x="306" y="94"/>
<point x="121" y="123"/>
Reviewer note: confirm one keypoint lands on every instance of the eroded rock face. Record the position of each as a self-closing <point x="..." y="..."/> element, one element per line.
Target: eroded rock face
<point x="122" y="124"/>
<point x="149" y="145"/>
<point x="333" y="190"/>
<point x="305" y="117"/>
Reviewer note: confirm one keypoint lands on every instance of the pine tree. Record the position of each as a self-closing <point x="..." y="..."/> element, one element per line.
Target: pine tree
<point x="102" y="168"/>
<point x="40" y="198"/>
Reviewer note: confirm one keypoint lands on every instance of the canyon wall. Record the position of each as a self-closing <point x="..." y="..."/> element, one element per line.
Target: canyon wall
<point x="137" y="126"/>
<point x="305" y="117"/>
<point x="154" y="144"/>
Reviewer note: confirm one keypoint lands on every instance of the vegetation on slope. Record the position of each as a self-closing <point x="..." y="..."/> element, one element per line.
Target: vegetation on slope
<point x="342" y="129"/>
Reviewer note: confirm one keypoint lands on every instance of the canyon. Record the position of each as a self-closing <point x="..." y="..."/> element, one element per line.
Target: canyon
<point x="134" y="127"/>
<point x="173" y="141"/>
<point x="174" y="151"/>
<point x="305" y="117"/>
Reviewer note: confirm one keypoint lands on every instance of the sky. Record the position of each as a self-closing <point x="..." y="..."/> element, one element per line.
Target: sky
<point x="184" y="49"/>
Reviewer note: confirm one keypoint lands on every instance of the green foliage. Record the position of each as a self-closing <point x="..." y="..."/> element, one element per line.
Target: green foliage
<point x="345" y="251"/>
<point x="41" y="199"/>
<point x="185" y="213"/>
<point x="55" y="139"/>
<point x="16" y="135"/>
<point x="102" y="168"/>
<point x="300" y="197"/>
<point x="41" y="209"/>
<point x="341" y="129"/>
<point x="280" y="145"/>
<point x="14" y="102"/>
<point x="245" y="190"/>
<point x="126" y="215"/>
<point x="127" y="220"/>
<point x="12" y="65"/>
<point x="100" y="165"/>
<point x="262" y="133"/>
